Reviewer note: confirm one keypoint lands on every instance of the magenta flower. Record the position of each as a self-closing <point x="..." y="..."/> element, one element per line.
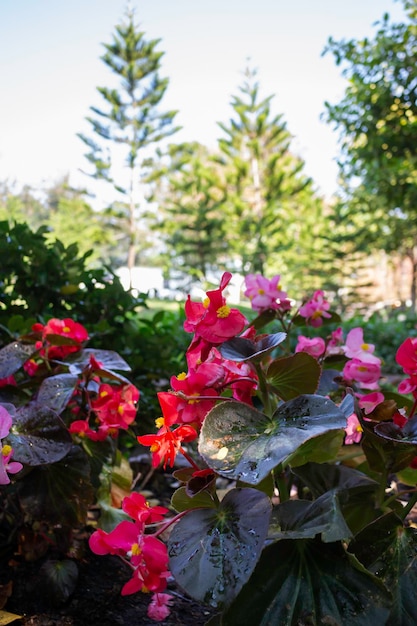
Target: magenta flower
<point x="265" y="294"/>
<point x="356" y="348"/>
<point x="315" y="347"/>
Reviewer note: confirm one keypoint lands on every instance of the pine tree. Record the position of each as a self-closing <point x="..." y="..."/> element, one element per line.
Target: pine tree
<point x="191" y="196"/>
<point x="129" y="125"/>
<point x="266" y="183"/>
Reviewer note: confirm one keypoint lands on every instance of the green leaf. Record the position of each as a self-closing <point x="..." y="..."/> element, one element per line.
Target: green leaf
<point x="321" y="449"/>
<point x="389" y="550"/>
<point x="239" y="442"/>
<point x="240" y="349"/>
<point x="181" y="501"/>
<point x="302" y="519"/>
<point x="55" y="392"/>
<point x="59" y="579"/>
<point x="309" y="582"/>
<point x="213" y="552"/>
<point x="293" y="375"/>
<point x="356" y="491"/>
<point x="384" y="453"/>
<point x="13" y="356"/>
<point x="59" y="493"/>
<point x="38" y="436"/>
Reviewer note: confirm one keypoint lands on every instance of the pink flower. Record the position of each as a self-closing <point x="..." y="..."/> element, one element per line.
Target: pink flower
<point x="7" y="466"/>
<point x="365" y="374"/>
<point x="158" y="608"/>
<point x="334" y="345"/>
<point x="353" y="430"/>
<point x="315" y="347"/>
<point x="315" y="309"/>
<point x="264" y="294"/>
<point x="369" y="401"/>
<point x="356" y="348"/>
<point x="166" y="444"/>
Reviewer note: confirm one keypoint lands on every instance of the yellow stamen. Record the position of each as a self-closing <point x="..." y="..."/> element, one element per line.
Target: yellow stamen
<point x="136" y="549"/>
<point x="206" y="303"/>
<point x="155" y="447"/>
<point x="359" y="429"/>
<point x="261" y="292"/>
<point x="223" y="311"/>
<point x="365" y="346"/>
<point x="160" y="422"/>
<point x="6" y="450"/>
<point x="66" y="329"/>
<point x="182" y="376"/>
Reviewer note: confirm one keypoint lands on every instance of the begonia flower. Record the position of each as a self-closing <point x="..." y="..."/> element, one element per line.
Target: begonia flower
<point x="353" y="430"/>
<point x="334" y="345"/>
<point x="166" y="444"/>
<point x="315" y="309"/>
<point x="369" y="401"/>
<point x="315" y="346"/>
<point x="139" y="509"/>
<point x="115" y="407"/>
<point x="7" y="466"/>
<point x="365" y="374"/>
<point x="214" y="321"/>
<point x="264" y="294"/>
<point x="356" y="348"/>
<point x="406" y="355"/>
<point x="158" y="608"/>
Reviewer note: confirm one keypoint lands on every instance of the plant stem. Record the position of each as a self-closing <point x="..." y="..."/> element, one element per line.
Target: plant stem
<point x="263" y="391"/>
<point x="282" y="487"/>
<point x="406" y="510"/>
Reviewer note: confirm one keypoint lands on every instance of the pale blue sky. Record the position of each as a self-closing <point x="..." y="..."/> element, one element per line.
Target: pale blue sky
<point x="50" y="68"/>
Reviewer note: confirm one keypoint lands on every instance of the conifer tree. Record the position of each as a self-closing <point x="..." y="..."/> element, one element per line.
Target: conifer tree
<point x="267" y="187"/>
<point x="191" y="196"/>
<point x="129" y="124"/>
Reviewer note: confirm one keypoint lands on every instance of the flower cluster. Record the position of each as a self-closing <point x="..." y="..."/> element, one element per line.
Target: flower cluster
<point x="146" y="554"/>
<point x="55" y="340"/>
<point x="195" y="392"/>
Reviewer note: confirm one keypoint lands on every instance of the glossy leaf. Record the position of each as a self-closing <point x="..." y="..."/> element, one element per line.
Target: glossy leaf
<point x="38" y="436"/>
<point x="213" y="552"/>
<point x="294" y="375"/>
<point x="406" y="434"/>
<point x="241" y="349"/>
<point x="303" y="519"/>
<point x="389" y="550"/>
<point x="58" y="493"/>
<point x="309" y="582"/>
<point x="55" y="392"/>
<point x="13" y="356"/>
<point x="239" y="442"/>
<point x="386" y="452"/>
<point x="108" y="360"/>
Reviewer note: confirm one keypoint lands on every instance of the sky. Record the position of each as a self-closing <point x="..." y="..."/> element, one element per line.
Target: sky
<point x="50" y="68"/>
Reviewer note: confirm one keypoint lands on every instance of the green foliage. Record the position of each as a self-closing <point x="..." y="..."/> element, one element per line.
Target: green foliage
<point x="377" y="123"/>
<point x="42" y="279"/>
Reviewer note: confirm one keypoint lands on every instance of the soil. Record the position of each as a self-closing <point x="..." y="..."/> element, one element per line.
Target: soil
<point x="96" y="600"/>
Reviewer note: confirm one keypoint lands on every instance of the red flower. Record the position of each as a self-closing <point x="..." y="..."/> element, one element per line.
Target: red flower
<point x="407" y="355"/>
<point x="214" y="321"/>
<point x="50" y="347"/>
<point x="166" y="444"/>
<point x="115" y="407"/>
<point x="138" y="508"/>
